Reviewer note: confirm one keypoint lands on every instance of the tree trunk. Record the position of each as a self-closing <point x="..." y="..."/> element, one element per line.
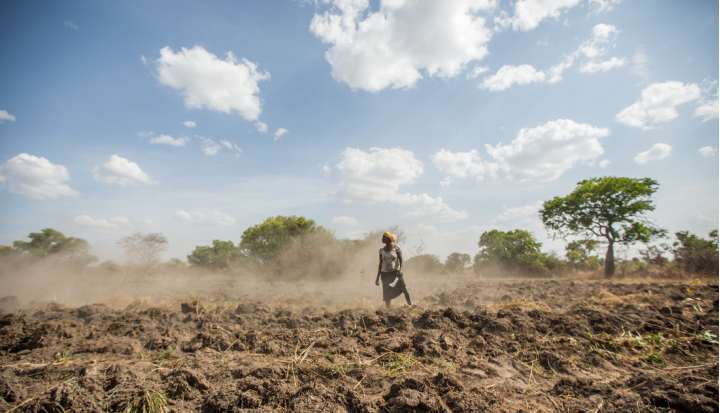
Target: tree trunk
<point x="609" y="260"/>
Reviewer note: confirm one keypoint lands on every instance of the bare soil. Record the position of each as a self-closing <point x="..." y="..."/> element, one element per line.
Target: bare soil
<point x="497" y="346"/>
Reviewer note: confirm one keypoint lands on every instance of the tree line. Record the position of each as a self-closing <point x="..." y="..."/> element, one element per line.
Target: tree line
<point x="607" y="211"/>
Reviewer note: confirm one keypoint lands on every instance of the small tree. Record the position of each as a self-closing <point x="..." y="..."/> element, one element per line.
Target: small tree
<point x="608" y="207"/>
<point x="53" y="243"/>
<point x="695" y="254"/>
<point x="222" y="255"/>
<point x="456" y="262"/>
<point x="265" y="241"/>
<point x="510" y="250"/>
<point x="144" y="250"/>
<point x="578" y="253"/>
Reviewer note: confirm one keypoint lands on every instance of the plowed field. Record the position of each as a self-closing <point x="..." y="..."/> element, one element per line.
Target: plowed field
<point x="498" y="346"/>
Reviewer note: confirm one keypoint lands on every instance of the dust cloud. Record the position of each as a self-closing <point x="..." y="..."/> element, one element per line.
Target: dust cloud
<point x="335" y="276"/>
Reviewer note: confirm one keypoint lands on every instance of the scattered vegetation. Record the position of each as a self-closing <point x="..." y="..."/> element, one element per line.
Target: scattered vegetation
<point x="610" y="210"/>
<point x="63" y="357"/>
<point x="165" y="355"/>
<point x="150" y="402"/>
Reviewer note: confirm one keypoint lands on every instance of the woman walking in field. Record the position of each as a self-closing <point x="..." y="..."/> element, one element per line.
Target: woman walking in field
<point x="390" y="270"/>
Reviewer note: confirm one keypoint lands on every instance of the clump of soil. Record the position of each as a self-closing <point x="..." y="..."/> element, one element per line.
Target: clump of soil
<point x="486" y="346"/>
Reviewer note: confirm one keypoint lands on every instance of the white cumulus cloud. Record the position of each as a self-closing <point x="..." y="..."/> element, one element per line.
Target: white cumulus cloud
<point x="591" y="53"/>
<point x="205" y="81"/>
<point x="212" y="218"/>
<point x="344" y="221"/>
<point x="509" y="75"/>
<point x="528" y="14"/>
<point x="121" y="171"/>
<point x="545" y="152"/>
<point x="116" y="223"/>
<point x="462" y="165"/>
<point x="425" y="207"/>
<point x="657" y="104"/>
<point x="376" y="176"/>
<point x="70" y="24"/>
<point x="707" y="151"/>
<point x="189" y="124"/>
<point x="604" y="163"/>
<point x="4" y="115"/>
<point x="658" y="151"/>
<point x="395" y="45"/>
<point x="35" y="177"/>
<point x="280" y="132"/>
<point x="169" y="140"/>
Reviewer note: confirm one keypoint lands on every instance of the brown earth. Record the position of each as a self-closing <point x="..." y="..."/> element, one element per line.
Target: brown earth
<point x="498" y="346"/>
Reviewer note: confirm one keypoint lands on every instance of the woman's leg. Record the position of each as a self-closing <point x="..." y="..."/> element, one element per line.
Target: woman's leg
<point x="387" y="304"/>
<point x="407" y="295"/>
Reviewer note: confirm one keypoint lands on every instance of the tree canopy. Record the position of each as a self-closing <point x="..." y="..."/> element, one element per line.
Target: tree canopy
<point x="220" y="256"/>
<point x="517" y="249"/>
<point x="268" y="239"/>
<point x="608" y="207"/>
<point x="52" y="243"/>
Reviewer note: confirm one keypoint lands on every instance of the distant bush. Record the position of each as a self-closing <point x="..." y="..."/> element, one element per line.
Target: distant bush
<point x="696" y="255"/>
<point x="424" y="264"/>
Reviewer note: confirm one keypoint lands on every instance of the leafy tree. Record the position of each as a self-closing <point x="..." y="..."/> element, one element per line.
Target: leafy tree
<point x="144" y="249"/>
<point x="424" y="263"/>
<point x="578" y="253"/>
<point x="517" y="249"/>
<point x="695" y="254"/>
<point x="456" y="262"/>
<point x="265" y="241"/>
<point x="518" y="246"/>
<point x="53" y="243"/>
<point x="222" y="255"/>
<point x="6" y="250"/>
<point x="608" y="207"/>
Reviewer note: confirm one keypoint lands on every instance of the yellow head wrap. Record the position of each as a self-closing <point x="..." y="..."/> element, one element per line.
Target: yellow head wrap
<point x="390" y="236"/>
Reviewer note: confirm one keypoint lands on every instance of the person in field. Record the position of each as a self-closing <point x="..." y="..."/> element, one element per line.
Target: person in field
<point x="390" y="270"/>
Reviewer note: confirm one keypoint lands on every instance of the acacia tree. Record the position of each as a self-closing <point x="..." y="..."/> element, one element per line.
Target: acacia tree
<point x="53" y="243"/>
<point x="608" y="207"/>
<point x="144" y="249"/>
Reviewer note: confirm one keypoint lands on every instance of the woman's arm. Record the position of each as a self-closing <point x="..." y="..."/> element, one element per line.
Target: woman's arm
<point x="377" y="279"/>
<point x="400" y="260"/>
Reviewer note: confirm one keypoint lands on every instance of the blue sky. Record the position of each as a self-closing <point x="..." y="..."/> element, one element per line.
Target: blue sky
<point x="448" y="118"/>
